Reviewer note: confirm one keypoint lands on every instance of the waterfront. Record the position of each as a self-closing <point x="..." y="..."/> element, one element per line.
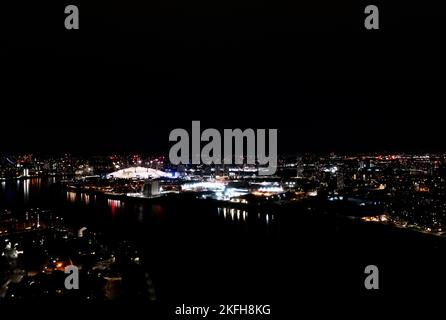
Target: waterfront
<point x="207" y="250"/>
<point x="191" y="248"/>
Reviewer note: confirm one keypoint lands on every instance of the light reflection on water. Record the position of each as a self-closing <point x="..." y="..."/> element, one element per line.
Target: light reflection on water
<point x="140" y="213"/>
<point x="238" y="215"/>
<point x="35" y="192"/>
<point x="90" y="199"/>
<point x="22" y="186"/>
<point x="26" y="184"/>
<point x="115" y="205"/>
<point x="71" y="196"/>
<point x="36" y="183"/>
<point x="228" y="214"/>
<point x="85" y="198"/>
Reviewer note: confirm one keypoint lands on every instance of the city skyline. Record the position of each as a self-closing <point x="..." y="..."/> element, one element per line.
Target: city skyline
<point x="321" y="188"/>
<point x="104" y="214"/>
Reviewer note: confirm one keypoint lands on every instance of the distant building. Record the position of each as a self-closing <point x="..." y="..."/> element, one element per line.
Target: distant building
<point x="139" y="173"/>
<point x="151" y="188"/>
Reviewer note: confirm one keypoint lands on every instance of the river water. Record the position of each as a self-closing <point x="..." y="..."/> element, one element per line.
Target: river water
<point x="193" y="249"/>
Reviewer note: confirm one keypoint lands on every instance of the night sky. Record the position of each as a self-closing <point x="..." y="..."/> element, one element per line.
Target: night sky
<point x="137" y="69"/>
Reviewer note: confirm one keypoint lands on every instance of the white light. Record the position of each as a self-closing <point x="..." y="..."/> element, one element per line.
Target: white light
<point x="138" y="172"/>
<point x="212" y="186"/>
<point x="271" y="189"/>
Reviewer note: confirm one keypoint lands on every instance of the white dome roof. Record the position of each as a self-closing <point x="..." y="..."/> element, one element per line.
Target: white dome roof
<point x="138" y="173"/>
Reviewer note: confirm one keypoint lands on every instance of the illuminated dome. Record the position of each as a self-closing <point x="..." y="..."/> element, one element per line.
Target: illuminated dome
<point x="138" y="173"/>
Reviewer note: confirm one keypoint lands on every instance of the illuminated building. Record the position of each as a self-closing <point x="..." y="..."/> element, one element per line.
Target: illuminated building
<point x="139" y="173"/>
<point x="151" y="188"/>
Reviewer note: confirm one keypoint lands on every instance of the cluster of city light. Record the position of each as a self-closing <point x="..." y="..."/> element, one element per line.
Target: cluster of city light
<point x="233" y="214"/>
<point x="204" y="186"/>
<point x="230" y="193"/>
<point x="139" y="173"/>
<point x="333" y="169"/>
<point x="272" y="189"/>
<point x="379" y="218"/>
<point x="336" y="198"/>
<point x="245" y="169"/>
<point x="261" y="193"/>
<point x="222" y="192"/>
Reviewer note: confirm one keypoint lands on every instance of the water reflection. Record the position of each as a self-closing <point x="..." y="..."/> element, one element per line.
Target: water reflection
<point x="36" y="183"/>
<point x="90" y="199"/>
<point x="114" y="205"/>
<point x="140" y="213"/>
<point x="26" y="183"/>
<point x="85" y="198"/>
<point x="158" y="210"/>
<point x="71" y="196"/>
<point x="232" y="214"/>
